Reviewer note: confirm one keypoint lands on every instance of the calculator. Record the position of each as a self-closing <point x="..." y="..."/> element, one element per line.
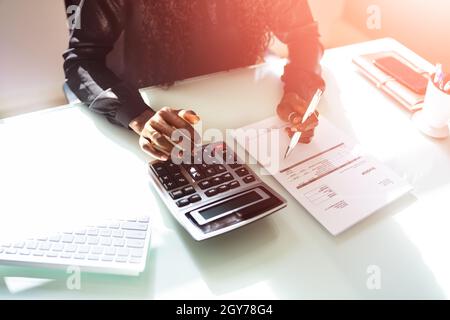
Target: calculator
<point x="213" y="192"/>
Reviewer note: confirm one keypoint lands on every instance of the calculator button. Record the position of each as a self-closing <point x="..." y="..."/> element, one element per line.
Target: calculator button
<point x="183" y="203"/>
<point x="242" y="172"/>
<point x="220" y="168"/>
<point x="217" y="180"/>
<point x="235" y="165"/>
<point x="181" y="181"/>
<point x="249" y="179"/>
<point x="160" y="169"/>
<point x="188" y="190"/>
<point x="164" y="179"/>
<point x="205" y="184"/>
<point x="211" y="192"/>
<point x="227" y="177"/>
<point x="224" y="188"/>
<point x="234" y="185"/>
<point x="210" y="172"/>
<point x="177" y="194"/>
<point x="170" y="185"/>
<point x="195" y="198"/>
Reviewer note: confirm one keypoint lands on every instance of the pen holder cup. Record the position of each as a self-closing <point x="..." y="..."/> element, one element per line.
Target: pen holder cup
<point x="434" y="117"/>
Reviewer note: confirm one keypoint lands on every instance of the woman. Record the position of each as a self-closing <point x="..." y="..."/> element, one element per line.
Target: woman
<point x="118" y="46"/>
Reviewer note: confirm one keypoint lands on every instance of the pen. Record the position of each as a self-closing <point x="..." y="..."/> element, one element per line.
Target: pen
<point x="311" y="109"/>
<point x="447" y="87"/>
<point x="438" y="75"/>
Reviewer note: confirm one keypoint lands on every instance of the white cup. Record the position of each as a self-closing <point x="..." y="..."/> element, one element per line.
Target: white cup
<point x="434" y="117"/>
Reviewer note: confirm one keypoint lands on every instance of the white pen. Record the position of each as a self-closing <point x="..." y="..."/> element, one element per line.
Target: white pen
<point x="438" y="73"/>
<point x="447" y="87"/>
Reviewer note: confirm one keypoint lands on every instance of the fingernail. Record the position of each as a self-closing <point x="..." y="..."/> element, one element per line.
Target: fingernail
<point x="164" y="158"/>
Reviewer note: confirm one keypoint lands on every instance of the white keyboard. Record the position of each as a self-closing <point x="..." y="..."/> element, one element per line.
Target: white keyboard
<point x="118" y="247"/>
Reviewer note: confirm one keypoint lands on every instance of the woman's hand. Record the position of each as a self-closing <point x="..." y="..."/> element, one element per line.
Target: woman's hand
<point x="156" y="130"/>
<point x="291" y="109"/>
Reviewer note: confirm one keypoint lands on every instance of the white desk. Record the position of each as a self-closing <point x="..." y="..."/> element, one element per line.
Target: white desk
<point x="287" y="255"/>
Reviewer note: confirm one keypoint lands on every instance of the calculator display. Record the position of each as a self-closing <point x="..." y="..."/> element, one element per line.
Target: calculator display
<point x="230" y="205"/>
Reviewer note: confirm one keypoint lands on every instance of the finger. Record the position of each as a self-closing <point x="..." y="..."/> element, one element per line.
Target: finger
<point x="305" y="135"/>
<point x="309" y="124"/>
<point x="148" y="148"/>
<point x="172" y="118"/>
<point x="189" y="116"/>
<point x="159" y="124"/>
<point x="159" y="141"/>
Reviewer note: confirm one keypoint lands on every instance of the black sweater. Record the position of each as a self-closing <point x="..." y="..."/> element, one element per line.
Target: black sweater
<point x="106" y="53"/>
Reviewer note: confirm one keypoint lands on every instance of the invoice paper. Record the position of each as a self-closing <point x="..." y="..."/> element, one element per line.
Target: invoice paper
<point x="332" y="178"/>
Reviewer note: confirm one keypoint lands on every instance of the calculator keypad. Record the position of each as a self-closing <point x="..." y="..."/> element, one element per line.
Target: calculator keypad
<point x="190" y="183"/>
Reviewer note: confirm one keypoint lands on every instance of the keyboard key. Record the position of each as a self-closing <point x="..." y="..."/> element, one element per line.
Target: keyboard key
<point x="144" y="220"/>
<point x="38" y="253"/>
<point x="132" y="243"/>
<point x="79" y="256"/>
<point x="123" y="252"/>
<point x="177" y="194"/>
<point x="70" y="248"/>
<point x="242" y="172"/>
<point x="195" y="198"/>
<point x="235" y="165"/>
<point x="188" y="190"/>
<point x="137" y="253"/>
<point x="80" y="232"/>
<point x="97" y="250"/>
<point x="107" y="258"/>
<point x="118" y="242"/>
<point x="93" y="257"/>
<point x="80" y="239"/>
<point x="135" y="235"/>
<point x="1" y="250"/>
<point x="65" y="255"/>
<point x="114" y="225"/>
<point x="93" y="240"/>
<point x="6" y="245"/>
<point x="31" y="244"/>
<point x="105" y="232"/>
<point x="67" y="238"/>
<point x="183" y="203"/>
<point x="55" y="238"/>
<point x="121" y="259"/>
<point x="105" y="241"/>
<point x="58" y="247"/>
<point x="45" y="246"/>
<point x="52" y="254"/>
<point x="11" y="251"/>
<point x="234" y="185"/>
<point x="110" y="251"/>
<point x="211" y="192"/>
<point x="117" y="233"/>
<point x="249" y="179"/>
<point x="92" y="232"/>
<point x="84" y="249"/>
<point x="135" y="260"/>
<point x="19" y="245"/>
<point x="25" y="252"/>
<point x="134" y="226"/>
